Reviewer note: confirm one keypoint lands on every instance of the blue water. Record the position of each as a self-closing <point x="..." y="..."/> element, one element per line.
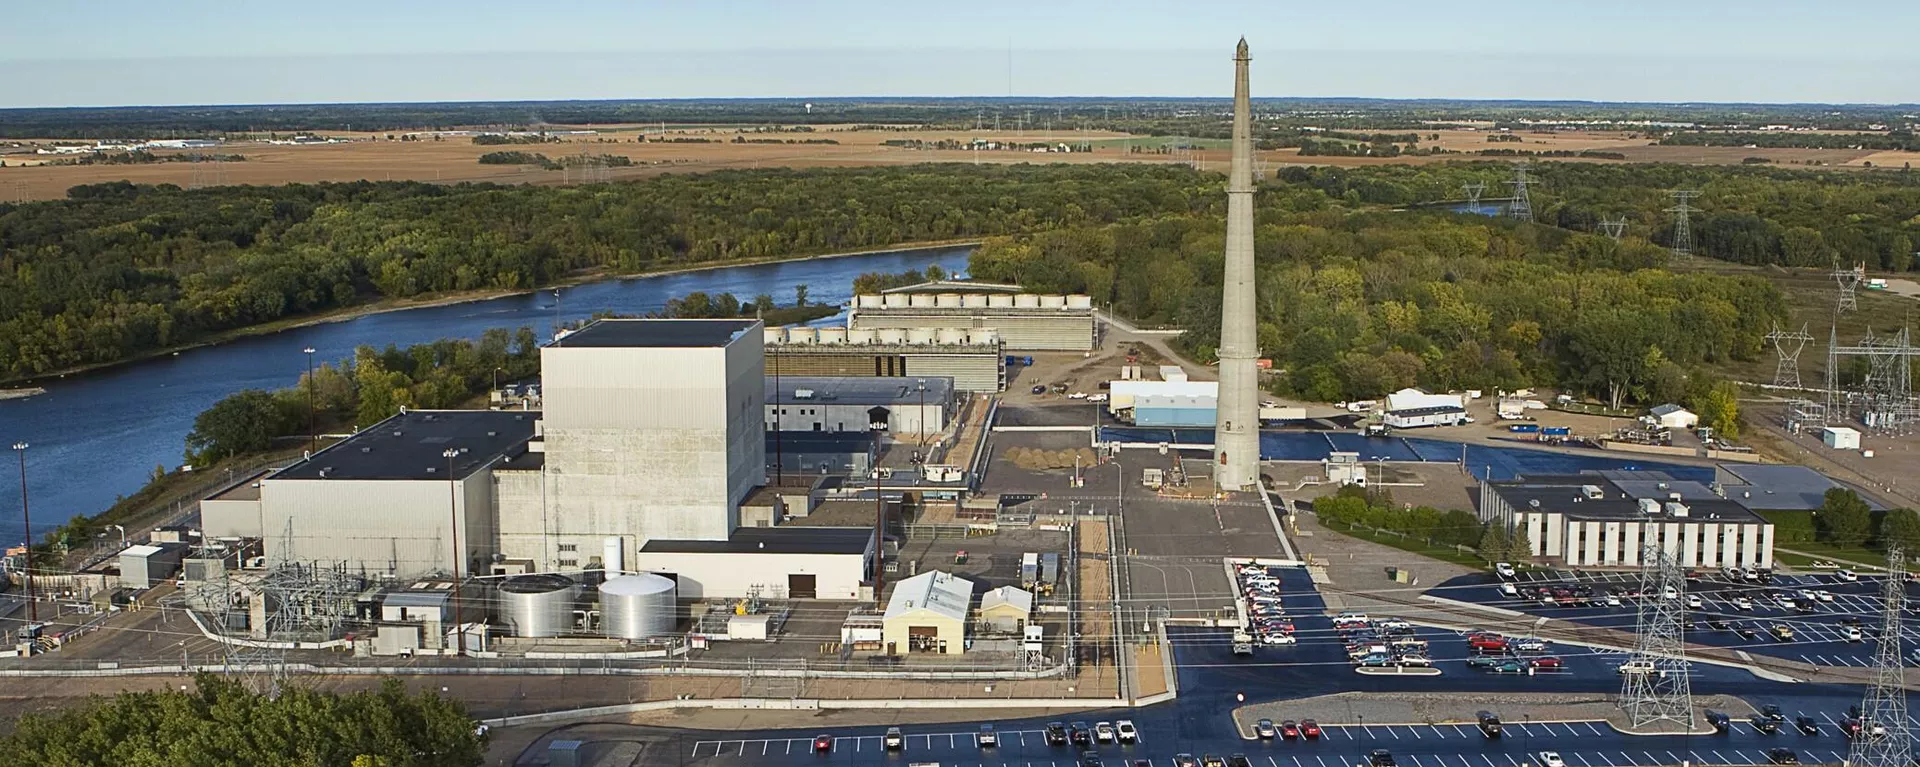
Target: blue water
<point x="1485" y="461"/>
<point x="97" y="436"/>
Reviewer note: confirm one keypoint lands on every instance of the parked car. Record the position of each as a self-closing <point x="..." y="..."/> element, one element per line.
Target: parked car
<point x="1238" y="760"/>
<point x="1806" y="725"/>
<point x="1056" y="734"/>
<point x="1847" y="575"/>
<point x="1087" y="759"/>
<point x="1694" y="602"/>
<point x="1504" y="569"/>
<point x="1772" y="711"/>
<point x="1719" y="721"/>
<point x="1380" y="757"/>
<point x="1185" y="760"/>
<point x="1289" y="730"/>
<point x="1489" y="724"/>
<point x="1763" y="724"/>
<point x="1212" y="761"/>
<point x="1265" y="730"/>
<point x="1782" y="756"/>
<point x="894" y="740"/>
<point x="822" y="743"/>
<point x="1550" y="759"/>
<point x="1853" y="634"/>
<point x="1548" y="662"/>
<point x="987" y="737"/>
<point x="1309" y="729"/>
<point x="1124" y="730"/>
<point x="1103" y="732"/>
<point x="1080" y="734"/>
<point x="1039" y="388"/>
<point x="1743" y="603"/>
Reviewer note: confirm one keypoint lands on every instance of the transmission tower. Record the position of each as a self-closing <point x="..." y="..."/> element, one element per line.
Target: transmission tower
<point x="1614" y="228"/>
<point x="1473" y="196"/>
<point x="1885" y="739"/>
<point x="1656" y="688"/>
<point x="1521" y="206"/>
<point x="1849" y="281"/>
<point x="1786" y="373"/>
<point x="1682" y="229"/>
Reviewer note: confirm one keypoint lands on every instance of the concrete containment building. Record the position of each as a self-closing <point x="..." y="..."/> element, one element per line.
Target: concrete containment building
<point x="901" y="406"/>
<point x="380" y="500"/>
<point x="1588" y="520"/>
<point x="928" y="614"/>
<point x="970" y="356"/>
<point x="652" y="429"/>
<point x="1024" y="321"/>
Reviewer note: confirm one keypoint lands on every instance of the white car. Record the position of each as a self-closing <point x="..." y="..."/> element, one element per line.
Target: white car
<point x="1847" y="575"/>
<point x="1694" y="602"/>
<point x="1743" y="603"/>
<point x="1504" y="569"/>
<point x="1823" y="595"/>
<point x="1096" y="398"/>
<point x="1124" y="730"/>
<point x="1415" y="661"/>
<point x="1077" y="395"/>
<point x="1103" y="732"/>
<point x="1551" y="759"/>
<point x="1277" y="639"/>
<point x="1853" y="634"/>
<point x="1613" y="600"/>
<point x="1670" y="593"/>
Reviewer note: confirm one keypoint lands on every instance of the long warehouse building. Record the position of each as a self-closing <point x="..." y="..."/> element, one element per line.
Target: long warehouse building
<point x="1025" y="321"/>
<point x="971" y="357"/>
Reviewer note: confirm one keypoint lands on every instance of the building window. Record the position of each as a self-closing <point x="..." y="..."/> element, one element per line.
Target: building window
<point x="569" y="547"/>
<point x="566" y="563"/>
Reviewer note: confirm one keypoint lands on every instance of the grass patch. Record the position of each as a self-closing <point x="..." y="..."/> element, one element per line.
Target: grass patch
<point x="1409" y="544"/>
<point x="1829" y="552"/>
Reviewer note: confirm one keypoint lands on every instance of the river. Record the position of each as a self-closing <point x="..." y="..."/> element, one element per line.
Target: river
<point x="97" y="436"/>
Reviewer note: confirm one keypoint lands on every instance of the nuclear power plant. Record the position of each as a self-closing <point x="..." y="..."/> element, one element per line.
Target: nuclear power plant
<point x="1236" y="443"/>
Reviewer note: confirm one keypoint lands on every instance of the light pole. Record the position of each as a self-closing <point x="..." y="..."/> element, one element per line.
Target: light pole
<point x="779" y="455"/>
<point x="453" y="513"/>
<point x="496" y="380"/>
<point x="26" y="519"/>
<point x="311" y="440"/>
<point x="123" y="534"/>
<point x="921" y="384"/>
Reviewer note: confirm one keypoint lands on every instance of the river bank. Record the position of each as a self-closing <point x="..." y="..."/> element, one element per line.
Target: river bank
<point x="385" y="305"/>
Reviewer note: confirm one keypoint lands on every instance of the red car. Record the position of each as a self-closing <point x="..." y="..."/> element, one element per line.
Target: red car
<point x="1488" y="644"/>
<point x="823" y="743"/>
<point x="1310" y="728"/>
<point x="1289" y="730"/>
<point x="1547" y="662"/>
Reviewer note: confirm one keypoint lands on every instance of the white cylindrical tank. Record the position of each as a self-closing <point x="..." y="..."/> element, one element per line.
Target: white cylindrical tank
<point x="833" y="335"/>
<point x="802" y="335"/>
<point x="983" y="336"/>
<point x="612" y="556"/>
<point x="920" y="300"/>
<point x="974" y="300"/>
<point x="1078" y="301"/>
<point x="870" y="302"/>
<point x="1053" y="302"/>
<point x="919" y="335"/>
<point x="774" y="335"/>
<point x="950" y="335"/>
<point x="539" y="605"/>
<point x="893" y="335"/>
<point x="1026" y="301"/>
<point x="947" y="300"/>
<point x="861" y="335"/>
<point x="637" y="606"/>
<point x="896" y="300"/>
<point x="1000" y="301"/>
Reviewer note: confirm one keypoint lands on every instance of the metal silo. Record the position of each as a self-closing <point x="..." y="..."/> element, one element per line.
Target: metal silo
<point x="638" y="606"/>
<point x="538" y="605"/>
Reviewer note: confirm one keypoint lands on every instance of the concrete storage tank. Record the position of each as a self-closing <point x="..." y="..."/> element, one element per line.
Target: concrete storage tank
<point x="802" y="335"/>
<point x="950" y="335"/>
<point x="893" y="335"/>
<point x="974" y="300"/>
<point x="947" y="300"/>
<point x="774" y="335"/>
<point x="983" y="336"/>
<point x="1053" y="302"/>
<point x="638" y="606"/>
<point x="833" y="335"/>
<point x="869" y="302"/>
<point x="920" y="300"/>
<point x="920" y="335"/>
<point x="1026" y="301"/>
<point x="539" y="605"/>
<point x="1078" y="301"/>
<point x="1000" y="301"/>
<point x="861" y="336"/>
<point x="896" y="300"/>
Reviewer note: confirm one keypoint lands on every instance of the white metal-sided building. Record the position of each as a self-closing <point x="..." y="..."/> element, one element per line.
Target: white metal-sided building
<point x="1121" y="394"/>
<point x="1413" y="409"/>
<point x="652" y="429"/>
<point x="1587" y="520"/>
<point x="778" y="563"/>
<point x="903" y="407"/>
<point x="1025" y="321"/>
<point x="927" y="613"/>
<point x="1673" y="416"/>
<point x="970" y="356"/>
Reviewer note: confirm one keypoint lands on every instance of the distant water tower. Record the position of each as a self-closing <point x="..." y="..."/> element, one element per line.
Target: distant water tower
<point x="809" y="107"/>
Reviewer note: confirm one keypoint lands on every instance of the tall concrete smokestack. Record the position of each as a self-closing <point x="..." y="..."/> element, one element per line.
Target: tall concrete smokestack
<point x="1236" y="441"/>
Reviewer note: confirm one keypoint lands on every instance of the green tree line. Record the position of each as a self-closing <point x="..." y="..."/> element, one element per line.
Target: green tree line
<point x="116" y="269"/>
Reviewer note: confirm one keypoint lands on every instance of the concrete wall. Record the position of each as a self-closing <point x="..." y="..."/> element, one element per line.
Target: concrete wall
<point x="902" y="419"/>
<point x="230" y="519"/>
<point x="402" y="526"/>
<point x="733" y="575"/>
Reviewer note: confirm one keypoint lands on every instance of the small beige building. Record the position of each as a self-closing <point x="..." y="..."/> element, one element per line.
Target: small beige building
<point x="1006" y="610"/>
<point x="928" y="614"/>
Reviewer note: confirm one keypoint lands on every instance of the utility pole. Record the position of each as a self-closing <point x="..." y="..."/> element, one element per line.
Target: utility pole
<point x="453" y="513"/>
<point x="26" y="519"/>
<point x="879" y="527"/>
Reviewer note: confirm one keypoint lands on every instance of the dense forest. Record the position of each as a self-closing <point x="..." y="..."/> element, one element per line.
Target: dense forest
<point x="1898" y="139"/>
<point x="221" y="723"/>
<point x="117" y="269"/>
<point x="1357" y="304"/>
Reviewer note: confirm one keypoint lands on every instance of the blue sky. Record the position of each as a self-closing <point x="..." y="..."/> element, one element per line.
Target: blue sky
<point x="112" y="52"/>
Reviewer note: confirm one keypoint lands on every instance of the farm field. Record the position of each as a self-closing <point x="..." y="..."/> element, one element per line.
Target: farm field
<point x="456" y="159"/>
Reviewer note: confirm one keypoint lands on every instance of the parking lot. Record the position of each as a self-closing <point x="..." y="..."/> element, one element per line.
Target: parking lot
<point x="1821" y="631"/>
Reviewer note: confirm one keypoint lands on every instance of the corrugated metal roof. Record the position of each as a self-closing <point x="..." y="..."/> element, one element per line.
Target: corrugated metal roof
<point x="1013" y="596"/>
<point x="946" y="594"/>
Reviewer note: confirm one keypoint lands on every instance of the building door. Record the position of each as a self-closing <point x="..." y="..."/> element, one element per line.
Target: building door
<point x="923" y="639"/>
<point x="878" y="418"/>
<point x="801" y="587"/>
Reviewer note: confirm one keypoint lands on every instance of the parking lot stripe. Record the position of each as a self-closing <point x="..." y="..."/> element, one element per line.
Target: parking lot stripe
<point x="1416" y="761"/>
<point x="1487" y="759"/>
<point x="1416" y="733"/>
<point x="1583" y="760"/>
<point x="1510" y="760"/>
<point x="1296" y="762"/>
<point x="1463" y="760"/>
<point x="1603" y="756"/>
<point x="1440" y="732"/>
<point x="1323" y="762"/>
<point x="1272" y="762"/>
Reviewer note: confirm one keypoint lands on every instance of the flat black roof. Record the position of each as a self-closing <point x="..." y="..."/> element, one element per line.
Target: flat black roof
<point x="412" y="446"/>
<point x="774" y="540"/>
<point x="1565" y="494"/>
<point x="655" y="333"/>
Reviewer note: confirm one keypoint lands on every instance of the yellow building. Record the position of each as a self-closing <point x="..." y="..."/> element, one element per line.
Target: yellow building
<point x="928" y="613"/>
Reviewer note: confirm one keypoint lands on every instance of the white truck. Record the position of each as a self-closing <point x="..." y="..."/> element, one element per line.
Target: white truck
<point x="1153" y="478"/>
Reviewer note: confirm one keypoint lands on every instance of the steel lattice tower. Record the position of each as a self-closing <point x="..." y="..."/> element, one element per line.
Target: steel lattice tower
<point x="1849" y="281"/>
<point x="1521" y="206"/>
<point x="1682" y="228"/>
<point x="1473" y="195"/>
<point x="1657" y="688"/>
<point x="1614" y="227"/>
<point x="1886" y="702"/>
<point x="1786" y="373"/>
